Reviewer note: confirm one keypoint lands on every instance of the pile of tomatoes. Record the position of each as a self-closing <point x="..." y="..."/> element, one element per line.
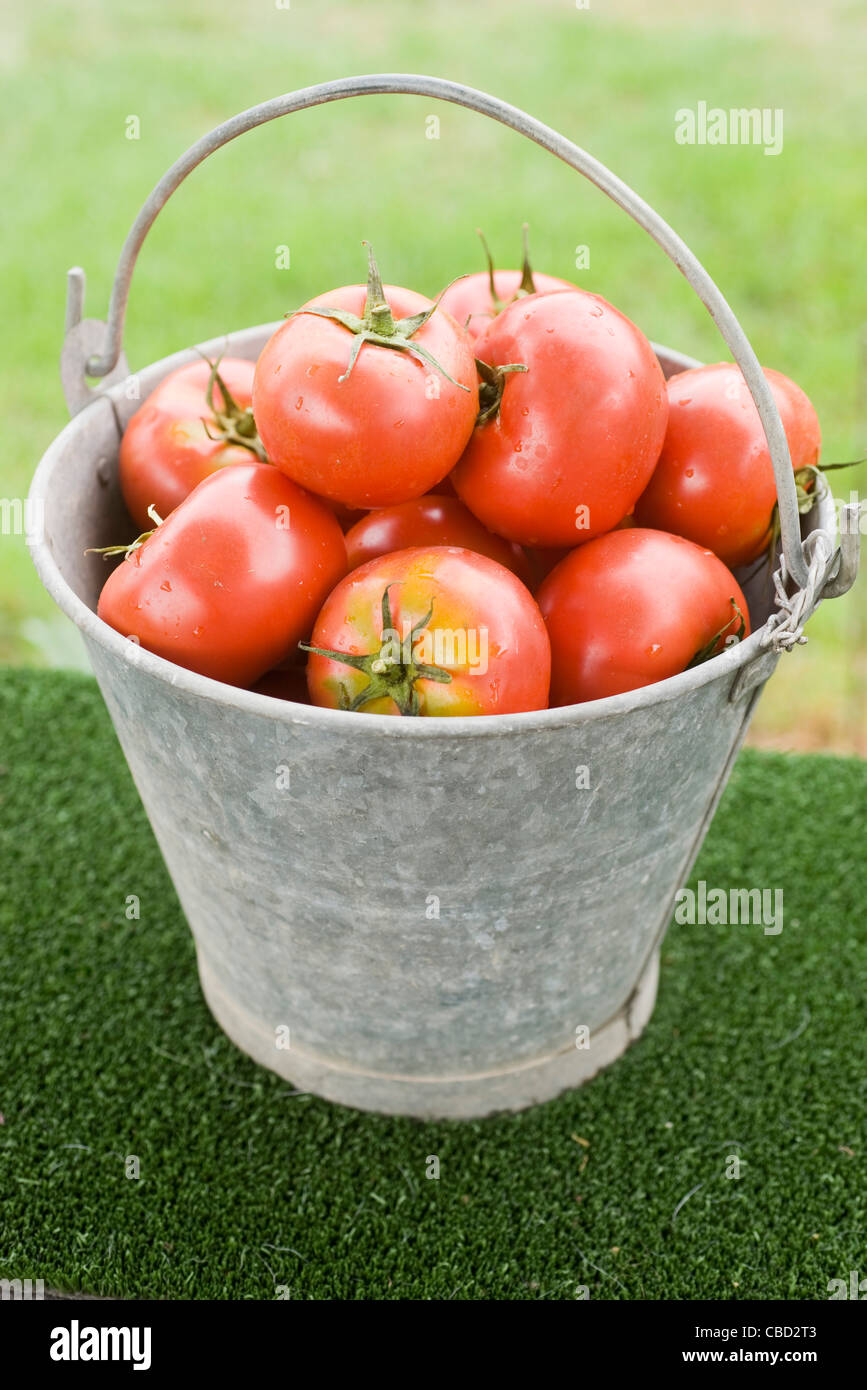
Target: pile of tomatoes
<point x="484" y="504"/>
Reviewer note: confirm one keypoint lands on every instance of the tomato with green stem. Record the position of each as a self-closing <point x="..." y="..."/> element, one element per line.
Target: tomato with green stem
<point x="568" y="444"/>
<point x="634" y="607"/>
<point x="475" y="300"/>
<point x="431" y="631"/>
<point x="714" y="482"/>
<point x="367" y="395"/>
<point x="199" y="419"/>
<point x="232" y="579"/>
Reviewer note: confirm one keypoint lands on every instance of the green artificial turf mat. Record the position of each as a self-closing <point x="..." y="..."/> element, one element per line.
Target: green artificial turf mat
<point x="247" y="1190"/>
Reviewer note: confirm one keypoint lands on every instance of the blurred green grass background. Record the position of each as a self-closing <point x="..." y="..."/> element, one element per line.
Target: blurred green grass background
<point x="781" y="235"/>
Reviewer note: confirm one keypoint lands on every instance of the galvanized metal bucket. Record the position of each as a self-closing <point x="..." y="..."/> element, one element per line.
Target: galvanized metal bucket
<point x="425" y="917"/>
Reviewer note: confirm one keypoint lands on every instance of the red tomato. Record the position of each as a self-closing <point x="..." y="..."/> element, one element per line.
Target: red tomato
<point x="165" y="451"/>
<point x="232" y="579"/>
<point x="576" y="436"/>
<point x="430" y="520"/>
<point x="376" y="428"/>
<point x="714" y="482"/>
<point x="475" y="300"/>
<point x="431" y="631"/>
<point x="635" y="607"/>
<point x="471" y="303"/>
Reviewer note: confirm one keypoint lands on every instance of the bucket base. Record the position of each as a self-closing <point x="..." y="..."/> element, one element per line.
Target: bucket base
<point x="431" y="1097"/>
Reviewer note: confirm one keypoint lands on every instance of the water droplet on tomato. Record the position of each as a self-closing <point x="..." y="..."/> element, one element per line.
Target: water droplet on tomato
<point x="299" y="402"/>
<point x="166" y="585"/>
<point x="596" y="311"/>
<point x="526" y="410"/>
<point x="197" y="632"/>
<point x="518" y="447"/>
<point x="689" y="472"/>
<point x="654" y="648"/>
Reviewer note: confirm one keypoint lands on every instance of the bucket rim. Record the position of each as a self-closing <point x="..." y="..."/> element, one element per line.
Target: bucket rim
<point x="725" y="666"/>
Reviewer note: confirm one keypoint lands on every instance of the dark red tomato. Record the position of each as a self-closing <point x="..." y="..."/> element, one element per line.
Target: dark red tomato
<point x="431" y="631"/>
<point x="470" y="301"/>
<point x="444" y="488"/>
<point x="543" y="561"/>
<point x="577" y="435"/>
<point x="347" y="516"/>
<point x="634" y="607"/>
<point x="165" y="451"/>
<point x="232" y="579"/>
<point x="714" y="482"/>
<point x="289" y="683"/>
<point x="377" y="428"/>
<point x="426" y="521"/>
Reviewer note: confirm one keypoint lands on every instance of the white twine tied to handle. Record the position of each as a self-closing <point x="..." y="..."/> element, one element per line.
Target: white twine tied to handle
<point x="785" y="628"/>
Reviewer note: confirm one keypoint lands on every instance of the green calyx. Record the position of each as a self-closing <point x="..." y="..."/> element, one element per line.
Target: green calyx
<point x="731" y="638"/>
<point x="231" y="424"/>
<point x="806" y="492"/>
<point x="390" y="676"/>
<point x="493" y="384"/>
<point x="378" y="326"/>
<point x="493" y="379"/>
<point x="806" y="479"/>
<point x="498" y="303"/>
<point x="126" y="550"/>
<point x="527" y="285"/>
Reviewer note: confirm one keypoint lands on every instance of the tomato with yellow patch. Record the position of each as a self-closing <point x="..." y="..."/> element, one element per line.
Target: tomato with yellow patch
<point x="435" y="631"/>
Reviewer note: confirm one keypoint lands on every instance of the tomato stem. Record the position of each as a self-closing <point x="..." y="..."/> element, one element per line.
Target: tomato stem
<point x="390" y="676"/>
<point x="377" y="312"/>
<point x="527" y="285"/>
<point x="806" y="479"/>
<point x="126" y="550"/>
<point x="498" y="303"/>
<point x="378" y="326"/>
<point x="711" y="648"/>
<point x="831" y="467"/>
<point x="233" y="425"/>
<point x="493" y="381"/>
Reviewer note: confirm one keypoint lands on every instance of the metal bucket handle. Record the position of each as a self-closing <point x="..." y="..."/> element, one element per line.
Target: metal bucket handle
<point x="818" y="569"/>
